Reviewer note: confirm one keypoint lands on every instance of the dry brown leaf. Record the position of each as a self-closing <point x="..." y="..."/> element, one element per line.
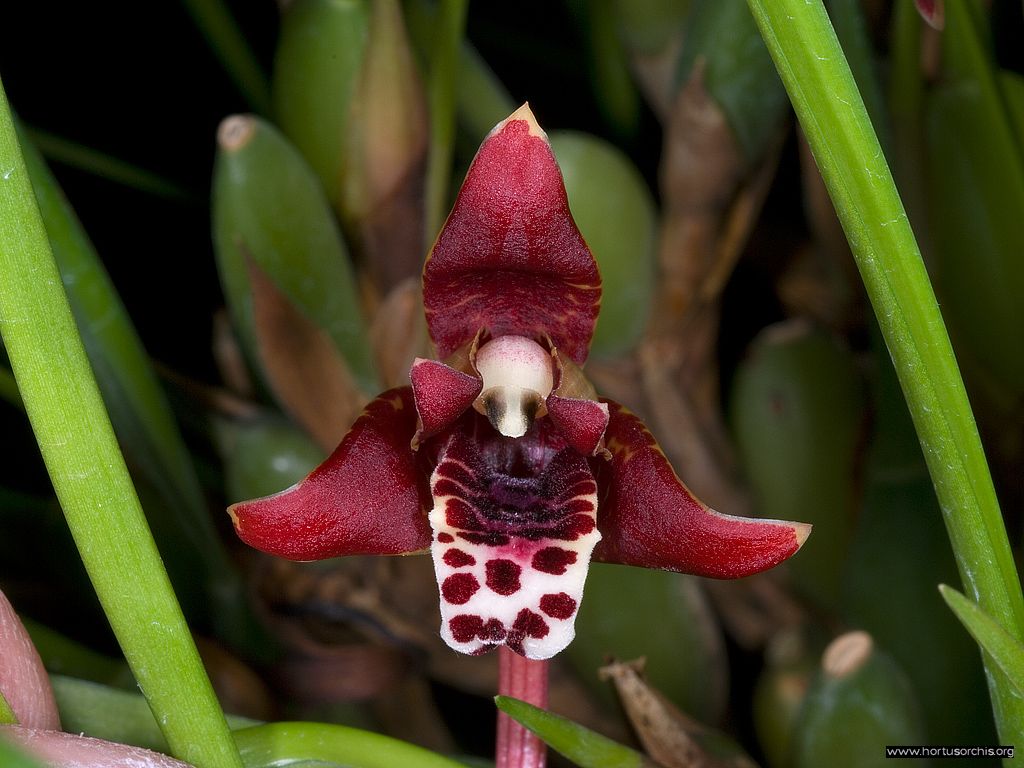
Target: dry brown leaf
<point x="239" y="689"/>
<point x="302" y="365"/>
<point x="399" y="332"/>
<point x="386" y="154"/>
<point x="756" y="609"/>
<point x="228" y="356"/>
<point x="669" y="737"/>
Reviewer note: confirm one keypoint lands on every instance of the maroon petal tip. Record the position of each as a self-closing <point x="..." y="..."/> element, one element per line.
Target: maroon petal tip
<point x="369" y="497"/>
<point x="581" y="422"/>
<point x="441" y="394"/>
<point x="933" y="12"/>
<point x="510" y="258"/>
<point x="649" y="517"/>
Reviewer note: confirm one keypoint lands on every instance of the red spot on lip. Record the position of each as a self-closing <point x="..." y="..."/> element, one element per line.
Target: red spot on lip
<point x="465" y="627"/>
<point x="576" y="526"/>
<point x="553" y="560"/>
<point x="445" y="538"/>
<point x="493" y="630"/>
<point x="527" y="624"/>
<point x="456" y="558"/>
<point x="558" y="606"/>
<point x="503" y="576"/>
<point x="459" y="588"/>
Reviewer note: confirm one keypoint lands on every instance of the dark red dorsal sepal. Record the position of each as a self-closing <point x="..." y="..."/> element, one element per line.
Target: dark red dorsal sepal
<point x="370" y="497"/>
<point x="510" y="258"/>
<point x="649" y="518"/>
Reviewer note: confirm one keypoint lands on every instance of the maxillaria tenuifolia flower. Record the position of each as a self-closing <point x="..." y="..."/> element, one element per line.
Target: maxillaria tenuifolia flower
<point x="500" y="458"/>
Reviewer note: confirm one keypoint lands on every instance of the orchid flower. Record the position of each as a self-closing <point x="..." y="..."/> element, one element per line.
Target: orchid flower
<point x="500" y="458"/>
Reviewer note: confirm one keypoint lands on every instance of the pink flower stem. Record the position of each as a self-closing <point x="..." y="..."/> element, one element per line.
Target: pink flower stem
<point x="527" y="680"/>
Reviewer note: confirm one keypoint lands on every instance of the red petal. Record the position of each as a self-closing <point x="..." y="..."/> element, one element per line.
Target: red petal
<point x="510" y="258"/>
<point x="581" y="422"/>
<point x="647" y="517"/>
<point x="368" y="498"/>
<point x="441" y="393"/>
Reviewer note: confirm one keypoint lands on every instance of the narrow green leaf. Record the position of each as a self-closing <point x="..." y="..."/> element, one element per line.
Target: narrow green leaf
<point x="583" y="746"/>
<point x="993" y="639"/>
<point x="89" y="475"/>
<point x="1012" y="86"/>
<point x="285" y="744"/>
<point x="113" y="714"/>
<point x="61" y="150"/>
<point x="442" y="95"/>
<point x="905" y="102"/>
<point x="851" y="29"/>
<point x="141" y="416"/>
<point x="616" y="93"/>
<point x="9" y="388"/>
<point x="647" y="26"/>
<point x="977" y="237"/>
<point x="228" y="43"/>
<point x="63" y="656"/>
<point x="483" y="99"/>
<point x="821" y="87"/>
<point x="268" y="207"/>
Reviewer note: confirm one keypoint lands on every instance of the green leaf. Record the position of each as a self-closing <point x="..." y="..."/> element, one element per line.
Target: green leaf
<point x="582" y="746"/>
<point x="844" y="144"/>
<point x="264" y="456"/>
<point x="319" y="55"/>
<point x="442" y="93"/>
<point x="7" y="716"/>
<point x="663" y="617"/>
<point x="268" y="207"/>
<point x="286" y="744"/>
<point x="89" y="475"/>
<point x="11" y="757"/>
<point x="142" y="418"/>
<point x="9" y="388"/>
<point x="228" y="43"/>
<point x="113" y="714"/>
<point x="616" y="214"/>
<point x="993" y="639"/>
<point x="738" y="73"/>
<point x="616" y="94"/>
<point x="889" y="589"/>
<point x="977" y="236"/>
<point x="798" y="413"/>
<point x="647" y="26"/>
<point x="859" y="702"/>
<point x="63" y="656"/>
